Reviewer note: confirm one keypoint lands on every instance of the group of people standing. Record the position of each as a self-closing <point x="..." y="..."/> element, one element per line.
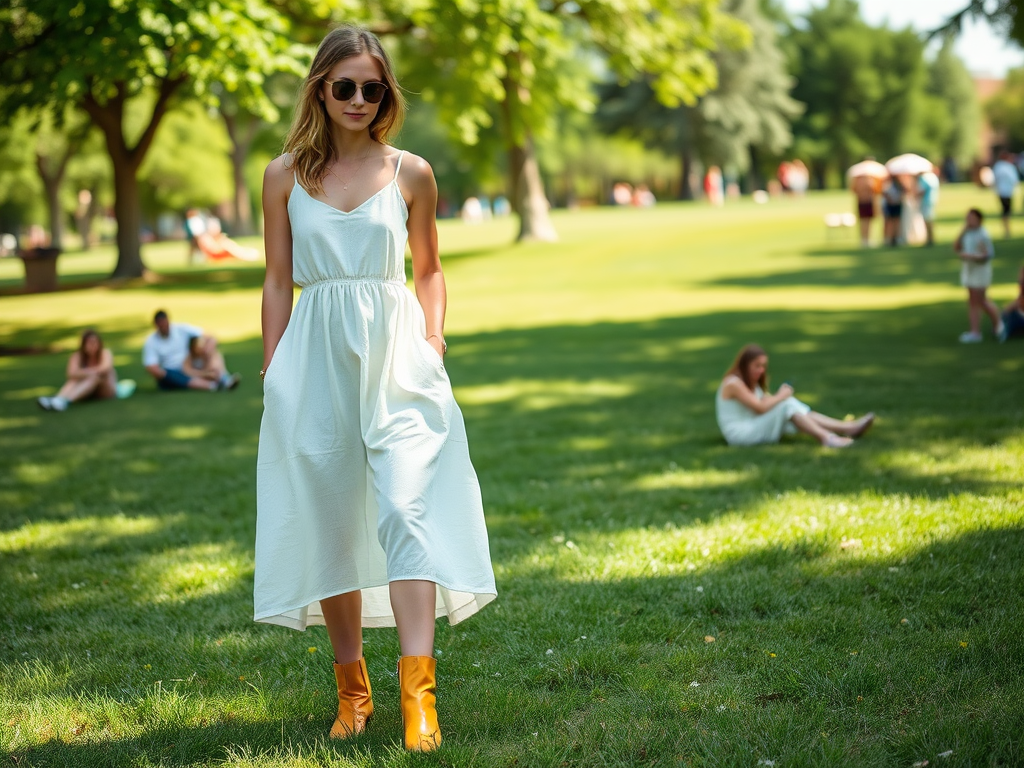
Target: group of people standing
<point x="908" y="203"/>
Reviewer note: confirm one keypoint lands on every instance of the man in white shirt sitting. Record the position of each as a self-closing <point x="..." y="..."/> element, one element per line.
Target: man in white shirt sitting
<point x="166" y="355"/>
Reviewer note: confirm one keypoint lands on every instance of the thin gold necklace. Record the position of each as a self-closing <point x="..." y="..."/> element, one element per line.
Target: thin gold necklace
<point x="359" y="166"/>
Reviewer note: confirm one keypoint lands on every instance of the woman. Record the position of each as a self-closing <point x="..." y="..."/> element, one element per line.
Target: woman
<point x="749" y="415"/>
<point x="369" y="511"/>
<point x="90" y="375"/>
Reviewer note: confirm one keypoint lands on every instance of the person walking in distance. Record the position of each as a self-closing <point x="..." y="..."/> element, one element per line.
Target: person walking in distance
<point x="368" y="508"/>
<point x="976" y="251"/>
<point x="1005" y="180"/>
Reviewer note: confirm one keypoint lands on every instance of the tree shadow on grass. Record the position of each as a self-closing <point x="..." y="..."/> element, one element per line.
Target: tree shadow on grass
<point x="883" y="267"/>
<point x="895" y="657"/>
<point x="579" y="431"/>
<point x="617" y="417"/>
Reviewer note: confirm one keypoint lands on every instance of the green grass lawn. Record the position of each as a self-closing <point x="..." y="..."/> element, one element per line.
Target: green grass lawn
<point x="664" y="600"/>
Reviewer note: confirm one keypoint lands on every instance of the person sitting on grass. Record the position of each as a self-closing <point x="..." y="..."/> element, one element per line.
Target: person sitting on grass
<point x="204" y="360"/>
<point x="1013" y="313"/>
<point x="91" y="376"/>
<point x="974" y="247"/>
<point x="749" y="415"/>
<point x="165" y="354"/>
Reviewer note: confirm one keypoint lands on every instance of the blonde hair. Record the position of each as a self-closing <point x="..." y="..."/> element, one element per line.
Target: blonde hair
<point x="309" y="139"/>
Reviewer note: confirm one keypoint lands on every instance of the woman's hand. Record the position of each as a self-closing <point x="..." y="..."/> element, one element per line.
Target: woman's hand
<point x="438" y="344"/>
<point x="784" y="391"/>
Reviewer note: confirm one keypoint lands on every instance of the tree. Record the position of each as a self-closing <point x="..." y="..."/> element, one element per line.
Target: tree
<point x="748" y="113"/>
<point x="951" y="84"/>
<point x="103" y="54"/>
<point x="1002" y="14"/>
<point x="1006" y="109"/>
<point x="860" y="85"/>
<point x="515" y="63"/>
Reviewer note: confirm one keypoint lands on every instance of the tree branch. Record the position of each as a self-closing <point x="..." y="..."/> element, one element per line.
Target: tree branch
<point x="167" y="88"/>
<point x="13" y="53"/>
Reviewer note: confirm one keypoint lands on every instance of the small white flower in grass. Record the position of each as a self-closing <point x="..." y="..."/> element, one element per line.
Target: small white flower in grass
<point x="946" y="754"/>
<point x="535" y="734"/>
<point x="919" y="764"/>
<point x="700" y="589"/>
<point x="721" y="707"/>
<point x="570" y="545"/>
<point x="549" y="651"/>
<point x="476" y="663"/>
<point x="766" y="762"/>
<point x="695" y="684"/>
<point x="497" y="674"/>
<point x="893" y="569"/>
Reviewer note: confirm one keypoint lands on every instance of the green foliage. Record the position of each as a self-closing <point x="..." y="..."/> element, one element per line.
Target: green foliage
<point x="865" y="90"/>
<point x="188" y="164"/>
<point x="750" y="106"/>
<point x="1006" y="109"/>
<point x="59" y="50"/>
<point x="950" y="80"/>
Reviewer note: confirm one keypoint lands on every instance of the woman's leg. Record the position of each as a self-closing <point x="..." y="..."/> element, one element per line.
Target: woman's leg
<point x="79" y="389"/>
<point x="343" y="617"/>
<point x="108" y="386"/>
<point x="413" y="604"/>
<point x="808" y="425"/>
<point x="989" y="308"/>
<point x="855" y="427"/>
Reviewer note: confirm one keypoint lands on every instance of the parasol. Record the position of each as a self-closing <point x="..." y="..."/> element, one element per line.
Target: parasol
<point x="909" y="164"/>
<point x="871" y="168"/>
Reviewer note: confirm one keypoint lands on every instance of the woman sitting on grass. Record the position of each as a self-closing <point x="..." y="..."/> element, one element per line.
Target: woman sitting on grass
<point x="749" y="415"/>
<point x="91" y="375"/>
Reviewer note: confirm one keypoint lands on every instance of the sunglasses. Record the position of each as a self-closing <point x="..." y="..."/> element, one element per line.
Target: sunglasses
<point x="344" y="89"/>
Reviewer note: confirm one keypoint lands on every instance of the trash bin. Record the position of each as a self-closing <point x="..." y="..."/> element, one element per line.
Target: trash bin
<point x="40" y="269"/>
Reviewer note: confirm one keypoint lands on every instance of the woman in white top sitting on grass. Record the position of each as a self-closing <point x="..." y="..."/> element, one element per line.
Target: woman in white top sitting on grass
<point x="90" y="376"/>
<point x="749" y="415"/>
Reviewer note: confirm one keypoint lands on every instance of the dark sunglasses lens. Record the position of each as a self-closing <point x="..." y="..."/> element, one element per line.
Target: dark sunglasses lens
<point x="374" y="92"/>
<point x="343" y="90"/>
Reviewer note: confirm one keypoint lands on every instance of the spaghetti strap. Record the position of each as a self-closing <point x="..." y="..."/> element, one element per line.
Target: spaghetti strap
<point x="398" y="165"/>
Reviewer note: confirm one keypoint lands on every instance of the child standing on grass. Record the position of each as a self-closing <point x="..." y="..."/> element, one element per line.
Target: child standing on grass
<point x="368" y="509"/>
<point x="975" y="249"/>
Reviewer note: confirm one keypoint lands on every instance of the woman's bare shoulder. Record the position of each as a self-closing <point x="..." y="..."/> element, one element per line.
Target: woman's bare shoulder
<point x="281" y="168"/>
<point x="416" y="170"/>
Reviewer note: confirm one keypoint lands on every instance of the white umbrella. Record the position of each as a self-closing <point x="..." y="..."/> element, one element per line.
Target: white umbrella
<point x="909" y="164"/>
<point x="871" y="168"/>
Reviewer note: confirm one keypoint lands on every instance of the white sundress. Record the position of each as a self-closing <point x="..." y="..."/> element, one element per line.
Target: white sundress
<point x="742" y="426"/>
<point x="363" y="474"/>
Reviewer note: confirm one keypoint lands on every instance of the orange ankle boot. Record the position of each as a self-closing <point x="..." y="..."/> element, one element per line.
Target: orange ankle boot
<point x="354" y="702"/>
<point x="417" y="677"/>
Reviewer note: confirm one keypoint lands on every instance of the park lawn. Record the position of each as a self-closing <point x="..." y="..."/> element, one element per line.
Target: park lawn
<point x="664" y="599"/>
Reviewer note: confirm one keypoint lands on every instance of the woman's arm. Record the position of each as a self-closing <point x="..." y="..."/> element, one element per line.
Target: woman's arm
<point x="735" y="389"/>
<point x="278" y="287"/>
<point x="420" y="191"/>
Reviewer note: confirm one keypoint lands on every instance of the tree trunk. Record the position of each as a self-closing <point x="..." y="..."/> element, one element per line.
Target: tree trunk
<point x="128" y="212"/>
<point x="109" y="118"/>
<point x="241" y="140"/>
<point x="52" y="182"/>
<point x="531" y="202"/>
<point x="526" y="190"/>
<point x="686" y="174"/>
<point x="52" y="187"/>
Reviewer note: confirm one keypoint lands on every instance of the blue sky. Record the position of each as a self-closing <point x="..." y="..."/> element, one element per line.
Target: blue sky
<point x="983" y="50"/>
